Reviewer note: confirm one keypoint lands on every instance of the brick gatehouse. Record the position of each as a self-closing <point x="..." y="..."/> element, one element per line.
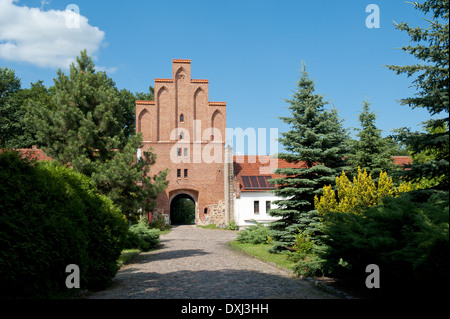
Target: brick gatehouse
<point x="187" y="132"/>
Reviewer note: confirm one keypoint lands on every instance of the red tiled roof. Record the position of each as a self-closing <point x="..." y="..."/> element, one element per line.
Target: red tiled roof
<point x="199" y="81"/>
<point x="164" y="80"/>
<point x="261" y="165"/>
<point x="181" y="61"/>
<point x="145" y="102"/>
<point x="217" y="103"/>
<point x="253" y="165"/>
<point x="34" y="153"/>
<point x="402" y="160"/>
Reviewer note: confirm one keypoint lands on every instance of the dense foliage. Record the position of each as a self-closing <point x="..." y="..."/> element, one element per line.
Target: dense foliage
<point x="355" y="197"/>
<point x="142" y="237"/>
<point x="89" y="125"/>
<point x="431" y="82"/>
<point x="407" y="237"/>
<point x="370" y="151"/>
<point x="50" y="217"/>
<point x="255" y="234"/>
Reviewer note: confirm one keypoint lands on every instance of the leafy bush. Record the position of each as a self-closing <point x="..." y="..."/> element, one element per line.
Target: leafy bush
<point x="254" y="234"/>
<point x="355" y="197"/>
<point x="407" y="237"/>
<point x="308" y="262"/>
<point x="159" y="223"/>
<point x="232" y="226"/>
<point x="309" y="265"/>
<point x="50" y="217"/>
<point x="142" y="237"/>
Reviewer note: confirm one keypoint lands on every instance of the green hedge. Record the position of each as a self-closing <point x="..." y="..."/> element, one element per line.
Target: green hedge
<point x="254" y="234"/>
<point x="142" y="237"/>
<point x="50" y="217"/>
<point x="407" y="237"/>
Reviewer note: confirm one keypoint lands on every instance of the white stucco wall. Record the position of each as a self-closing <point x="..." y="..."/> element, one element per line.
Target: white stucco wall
<point x="244" y="208"/>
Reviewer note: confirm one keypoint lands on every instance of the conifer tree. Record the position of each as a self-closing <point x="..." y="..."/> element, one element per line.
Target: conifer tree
<point x="88" y="127"/>
<point x="431" y="83"/>
<point x="316" y="140"/>
<point x="371" y="151"/>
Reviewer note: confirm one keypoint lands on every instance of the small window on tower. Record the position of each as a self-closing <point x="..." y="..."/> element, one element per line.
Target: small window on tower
<point x="181" y="118"/>
<point x="178" y="173"/>
<point x="185" y="173"/>
<point x="181" y="135"/>
<point x="179" y="151"/>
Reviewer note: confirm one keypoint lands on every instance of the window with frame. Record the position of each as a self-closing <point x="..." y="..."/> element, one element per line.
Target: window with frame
<point x="179" y="152"/>
<point x="268" y="202"/>
<point x="178" y="173"/>
<point x="185" y="173"/>
<point x="256" y="207"/>
<point x="186" y="154"/>
<point x="182" y="118"/>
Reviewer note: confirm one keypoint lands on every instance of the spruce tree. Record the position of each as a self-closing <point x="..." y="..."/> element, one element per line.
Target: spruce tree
<point x="371" y="152"/>
<point x="316" y="141"/>
<point x="88" y="127"/>
<point x="431" y="83"/>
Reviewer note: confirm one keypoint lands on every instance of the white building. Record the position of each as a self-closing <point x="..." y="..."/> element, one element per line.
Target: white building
<point x="253" y="195"/>
<point x="253" y="206"/>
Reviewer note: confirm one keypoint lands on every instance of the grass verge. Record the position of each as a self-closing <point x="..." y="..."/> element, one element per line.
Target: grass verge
<point x="126" y="255"/>
<point x="262" y="253"/>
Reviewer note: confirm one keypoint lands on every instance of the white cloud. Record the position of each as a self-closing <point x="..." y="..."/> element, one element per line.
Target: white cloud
<point x="45" y="38"/>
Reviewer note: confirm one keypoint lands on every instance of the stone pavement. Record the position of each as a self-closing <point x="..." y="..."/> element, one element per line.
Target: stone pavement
<point x="196" y="263"/>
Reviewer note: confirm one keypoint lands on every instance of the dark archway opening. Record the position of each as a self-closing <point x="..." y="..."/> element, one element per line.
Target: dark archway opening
<point x="182" y="210"/>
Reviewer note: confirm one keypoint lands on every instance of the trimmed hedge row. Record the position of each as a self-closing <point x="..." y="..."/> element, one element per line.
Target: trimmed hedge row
<point x="50" y="217"/>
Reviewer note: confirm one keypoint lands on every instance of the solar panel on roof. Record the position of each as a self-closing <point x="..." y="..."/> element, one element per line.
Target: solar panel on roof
<point x="254" y="182"/>
<point x="257" y="182"/>
<point x="246" y="182"/>
<point x="262" y="182"/>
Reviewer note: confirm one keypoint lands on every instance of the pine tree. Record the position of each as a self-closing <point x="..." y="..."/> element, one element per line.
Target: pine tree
<point x="371" y="151"/>
<point x="88" y="127"/>
<point x="316" y="140"/>
<point x="431" y="82"/>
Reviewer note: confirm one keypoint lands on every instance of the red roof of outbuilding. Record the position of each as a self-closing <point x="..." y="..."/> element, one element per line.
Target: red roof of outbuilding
<point x="34" y="153"/>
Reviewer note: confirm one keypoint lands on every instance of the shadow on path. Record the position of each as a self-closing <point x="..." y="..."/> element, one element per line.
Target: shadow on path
<point x="217" y="284"/>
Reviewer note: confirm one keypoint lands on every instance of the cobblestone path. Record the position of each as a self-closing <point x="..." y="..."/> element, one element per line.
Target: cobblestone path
<point x="196" y="263"/>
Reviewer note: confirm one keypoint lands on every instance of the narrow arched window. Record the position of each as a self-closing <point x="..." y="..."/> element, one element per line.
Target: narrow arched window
<point x="181" y="135"/>
<point x="182" y="118"/>
<point x="205" y="211"/>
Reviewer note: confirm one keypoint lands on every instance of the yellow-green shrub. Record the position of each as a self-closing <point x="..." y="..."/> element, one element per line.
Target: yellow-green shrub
<point x="355" y="197"/>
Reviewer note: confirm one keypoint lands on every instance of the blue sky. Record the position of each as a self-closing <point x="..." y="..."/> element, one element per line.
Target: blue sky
<point x="250" y="51"/>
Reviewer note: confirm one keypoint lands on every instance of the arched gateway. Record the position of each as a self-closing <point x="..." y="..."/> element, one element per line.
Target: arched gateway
<point x="174" y="126"/>
<point x="183" y="207"/>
